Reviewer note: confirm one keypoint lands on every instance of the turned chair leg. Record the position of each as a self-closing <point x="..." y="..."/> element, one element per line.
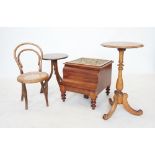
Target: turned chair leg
<point x="25" y="96"/>
<point x="108" y="90"/>
<point x="44" y="88"/>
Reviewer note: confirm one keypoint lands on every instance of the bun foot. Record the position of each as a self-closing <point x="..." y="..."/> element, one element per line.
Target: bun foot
<point x="93" y="104"/>
<point x="63" y="97"/>
<point x="93" y="108"/>
<point x="86" y="96"/>
<point x="105" y="117"/>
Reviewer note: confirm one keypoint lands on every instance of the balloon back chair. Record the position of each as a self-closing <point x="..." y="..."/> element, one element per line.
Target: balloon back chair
<point x="31" y="77"/>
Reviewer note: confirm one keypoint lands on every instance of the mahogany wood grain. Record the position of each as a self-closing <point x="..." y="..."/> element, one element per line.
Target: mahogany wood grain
<point x="86" y="79"/>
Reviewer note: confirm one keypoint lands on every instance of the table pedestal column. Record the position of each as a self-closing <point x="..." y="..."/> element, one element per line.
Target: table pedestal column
<point x="54" y="65"/>
<point x="58" y="77"/>
<point x="120" y="97"/>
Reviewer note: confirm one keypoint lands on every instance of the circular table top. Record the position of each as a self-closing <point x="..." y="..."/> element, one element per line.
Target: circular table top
<point x="54" y="56"/>
<point x="122" y="45"/>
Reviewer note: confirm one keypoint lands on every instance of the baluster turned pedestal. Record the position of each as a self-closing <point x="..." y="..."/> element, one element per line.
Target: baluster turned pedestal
<point x="120" y="97"/>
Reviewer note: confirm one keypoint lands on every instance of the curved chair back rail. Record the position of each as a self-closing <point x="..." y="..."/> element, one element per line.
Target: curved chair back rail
<point x="31" y="77"/>
<point x="25" y="47"/>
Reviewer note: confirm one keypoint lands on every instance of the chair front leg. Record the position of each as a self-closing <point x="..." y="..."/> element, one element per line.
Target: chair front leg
<point x="25" y="96"/>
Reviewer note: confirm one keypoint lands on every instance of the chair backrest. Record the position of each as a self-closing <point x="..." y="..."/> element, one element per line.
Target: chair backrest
<point x="27" y="47"/>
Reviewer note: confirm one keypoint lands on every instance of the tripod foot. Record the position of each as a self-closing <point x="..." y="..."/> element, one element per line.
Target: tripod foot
<point x="112" y="110"/>
<point x="129" y="108"/>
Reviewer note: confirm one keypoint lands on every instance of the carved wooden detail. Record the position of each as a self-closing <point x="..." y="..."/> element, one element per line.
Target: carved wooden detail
<point x="119" y="96"/>
<point x="88" y="77"/>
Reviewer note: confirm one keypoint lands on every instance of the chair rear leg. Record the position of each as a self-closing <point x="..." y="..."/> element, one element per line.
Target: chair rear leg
<point x="25" y="96"/>
<point x="45" y="91"/>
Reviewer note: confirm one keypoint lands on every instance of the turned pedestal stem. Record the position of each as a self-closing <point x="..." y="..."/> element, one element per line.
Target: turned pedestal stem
<point x="119" y="83"/>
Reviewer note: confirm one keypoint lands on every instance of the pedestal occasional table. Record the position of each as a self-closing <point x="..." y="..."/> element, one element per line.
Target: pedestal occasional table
<point x="54" y="57"/>
<point x="120" y="97"/>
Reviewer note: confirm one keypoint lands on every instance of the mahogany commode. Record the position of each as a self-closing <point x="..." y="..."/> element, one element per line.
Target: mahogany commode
<point x="120" y="97"/>
<point x="86" y="76"/>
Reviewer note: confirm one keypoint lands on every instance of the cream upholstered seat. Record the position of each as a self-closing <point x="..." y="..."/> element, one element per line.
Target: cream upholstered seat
<point x="31" y="77"/>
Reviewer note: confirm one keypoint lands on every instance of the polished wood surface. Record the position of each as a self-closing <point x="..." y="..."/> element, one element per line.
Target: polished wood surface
<point x="120" y="97"/>
<point x="54" y="56"/>
<point x="86" y="78"/>
<point x="122" y="45"/>
<point x="31" y="77"/>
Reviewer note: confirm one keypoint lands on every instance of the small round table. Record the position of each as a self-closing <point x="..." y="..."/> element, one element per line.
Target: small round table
<point x="54" y="57"/>
<point x="120" y="97"/>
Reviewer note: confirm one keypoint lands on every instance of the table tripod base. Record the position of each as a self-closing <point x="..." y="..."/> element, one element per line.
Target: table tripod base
<point x="120" y="98"/>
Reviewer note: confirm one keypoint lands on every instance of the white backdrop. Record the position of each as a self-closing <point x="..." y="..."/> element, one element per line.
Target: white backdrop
<point x="80" y="42"/>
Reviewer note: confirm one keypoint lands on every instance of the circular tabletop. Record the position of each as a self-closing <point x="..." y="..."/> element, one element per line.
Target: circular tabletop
<point x="122" y="45"/>
<point x="54" y="56"/>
